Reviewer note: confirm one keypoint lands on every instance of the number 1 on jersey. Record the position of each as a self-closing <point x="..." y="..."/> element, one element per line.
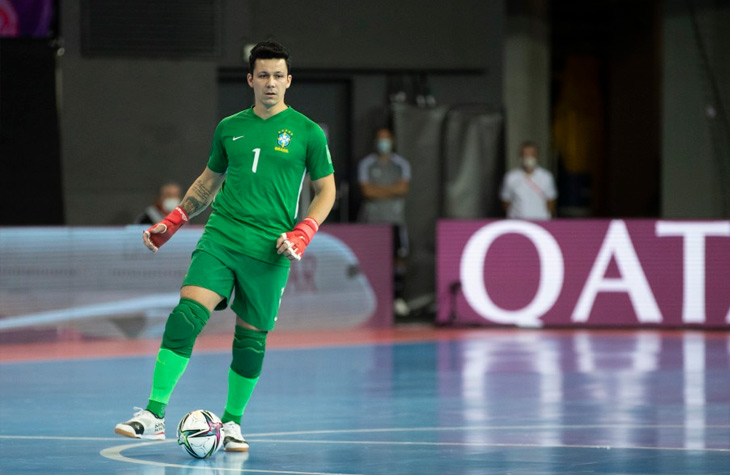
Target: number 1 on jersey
<point x="256" y="153"/>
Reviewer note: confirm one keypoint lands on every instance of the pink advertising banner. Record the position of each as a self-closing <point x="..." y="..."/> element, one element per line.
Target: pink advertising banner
<point x="584" y="273"/>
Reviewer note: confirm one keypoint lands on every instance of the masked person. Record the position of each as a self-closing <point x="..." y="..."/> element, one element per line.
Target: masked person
<point x="384" y="178"/>
<point x="529" y="192"/>
<point x="168" y="198"/>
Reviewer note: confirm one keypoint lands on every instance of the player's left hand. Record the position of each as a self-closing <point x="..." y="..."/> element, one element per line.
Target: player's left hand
<point x="293" y="243"/>
<point x="158" y="234"/>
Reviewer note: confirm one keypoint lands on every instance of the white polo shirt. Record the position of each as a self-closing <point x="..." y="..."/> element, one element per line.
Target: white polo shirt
<point x="528" y="194"/>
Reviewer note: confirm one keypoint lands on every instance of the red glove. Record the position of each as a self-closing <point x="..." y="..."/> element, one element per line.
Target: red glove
<point x="293" y="243"/>
<point x="160" y="233"/>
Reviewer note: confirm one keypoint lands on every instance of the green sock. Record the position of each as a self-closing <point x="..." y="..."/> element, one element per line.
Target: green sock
<point x="228" y="417"/>
<point x="156" y="408"/>
<point x="168" y="369"/>
<point x="239" y="392"/>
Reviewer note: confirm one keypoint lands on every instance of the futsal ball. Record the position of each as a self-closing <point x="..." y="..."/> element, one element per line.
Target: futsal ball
<point x="200" y="433"/>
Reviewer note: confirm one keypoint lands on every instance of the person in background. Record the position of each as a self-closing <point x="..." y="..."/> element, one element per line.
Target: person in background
<point x="384" y="178"/>
<point x="168" y="199"/>
<point x="529" y="192"/>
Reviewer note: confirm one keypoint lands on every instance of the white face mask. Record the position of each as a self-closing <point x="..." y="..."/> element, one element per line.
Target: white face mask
<point x="529" y="163"/>
<point x="169" y="204"/>
<point x="384" y="145"/>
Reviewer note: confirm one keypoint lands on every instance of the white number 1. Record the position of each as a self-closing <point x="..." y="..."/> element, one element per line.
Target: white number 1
<point x="256" y="153"/>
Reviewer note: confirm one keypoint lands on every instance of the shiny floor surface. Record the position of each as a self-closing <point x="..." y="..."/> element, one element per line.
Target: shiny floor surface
<point x="453" y="403"/>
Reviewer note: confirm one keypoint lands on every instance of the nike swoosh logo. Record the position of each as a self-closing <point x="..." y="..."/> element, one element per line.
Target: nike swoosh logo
<point x="239" y="137"/>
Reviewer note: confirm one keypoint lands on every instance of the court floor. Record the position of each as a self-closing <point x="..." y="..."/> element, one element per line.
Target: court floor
<point x="409" y="401"/>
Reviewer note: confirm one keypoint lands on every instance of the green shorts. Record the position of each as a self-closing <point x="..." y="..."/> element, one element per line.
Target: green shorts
<point x="258" y="284"/>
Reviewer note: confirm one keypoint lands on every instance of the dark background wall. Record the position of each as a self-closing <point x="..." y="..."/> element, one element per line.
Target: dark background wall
<point x="695" y="103"/>
<point x="634" y="58"/>
<point x="621" y="40"/>
<point x="131" y="114"/>
<point x="30" y="183"/>
<point x="377" y="34"/>
<point x="132" y="121"/>
<point x="128" y="123"/>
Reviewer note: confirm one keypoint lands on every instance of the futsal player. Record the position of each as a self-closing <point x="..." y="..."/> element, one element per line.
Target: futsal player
<point x="256" y="167"/>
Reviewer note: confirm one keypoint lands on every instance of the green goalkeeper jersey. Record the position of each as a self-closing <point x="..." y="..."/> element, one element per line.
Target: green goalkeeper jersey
<point x="265" y="162"/>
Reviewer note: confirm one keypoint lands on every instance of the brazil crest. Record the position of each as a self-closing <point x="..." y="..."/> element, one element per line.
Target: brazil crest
<point x="283" y="140"/>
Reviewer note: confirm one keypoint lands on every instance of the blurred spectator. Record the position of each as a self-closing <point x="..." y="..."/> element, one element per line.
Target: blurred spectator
<point x="384" y="178"/>
<point x="168" y="198"/>
<point x="529" y="192"/>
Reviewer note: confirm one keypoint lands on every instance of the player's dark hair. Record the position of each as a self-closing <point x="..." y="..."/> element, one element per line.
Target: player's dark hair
<point x="268" y="50"/>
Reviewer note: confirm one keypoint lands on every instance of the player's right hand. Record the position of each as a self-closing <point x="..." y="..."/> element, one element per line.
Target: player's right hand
<point x="158" y="234"/>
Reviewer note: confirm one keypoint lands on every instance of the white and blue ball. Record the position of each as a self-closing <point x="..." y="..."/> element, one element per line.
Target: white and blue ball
<point x="200" y="433"/>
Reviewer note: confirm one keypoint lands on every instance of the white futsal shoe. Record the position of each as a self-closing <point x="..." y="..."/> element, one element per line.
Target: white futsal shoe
<point x="233" y="441"/>
<point x="143" y="425"/>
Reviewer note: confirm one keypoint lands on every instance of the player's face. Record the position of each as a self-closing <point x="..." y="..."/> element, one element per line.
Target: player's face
<point x="270" y="80"/>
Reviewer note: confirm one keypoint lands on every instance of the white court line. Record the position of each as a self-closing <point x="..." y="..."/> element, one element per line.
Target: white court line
<point x="399" y="429"/>
<point x="403" y="429"/>
<point x="484" y="444"/>
<point x="115" y="453"/>
<point x="466" y="428"/>
<point x="54" y="437"/>
<point x="381" y="442"/>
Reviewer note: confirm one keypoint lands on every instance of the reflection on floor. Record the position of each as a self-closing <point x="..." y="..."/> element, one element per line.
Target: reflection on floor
<point x="407" y="401"/>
